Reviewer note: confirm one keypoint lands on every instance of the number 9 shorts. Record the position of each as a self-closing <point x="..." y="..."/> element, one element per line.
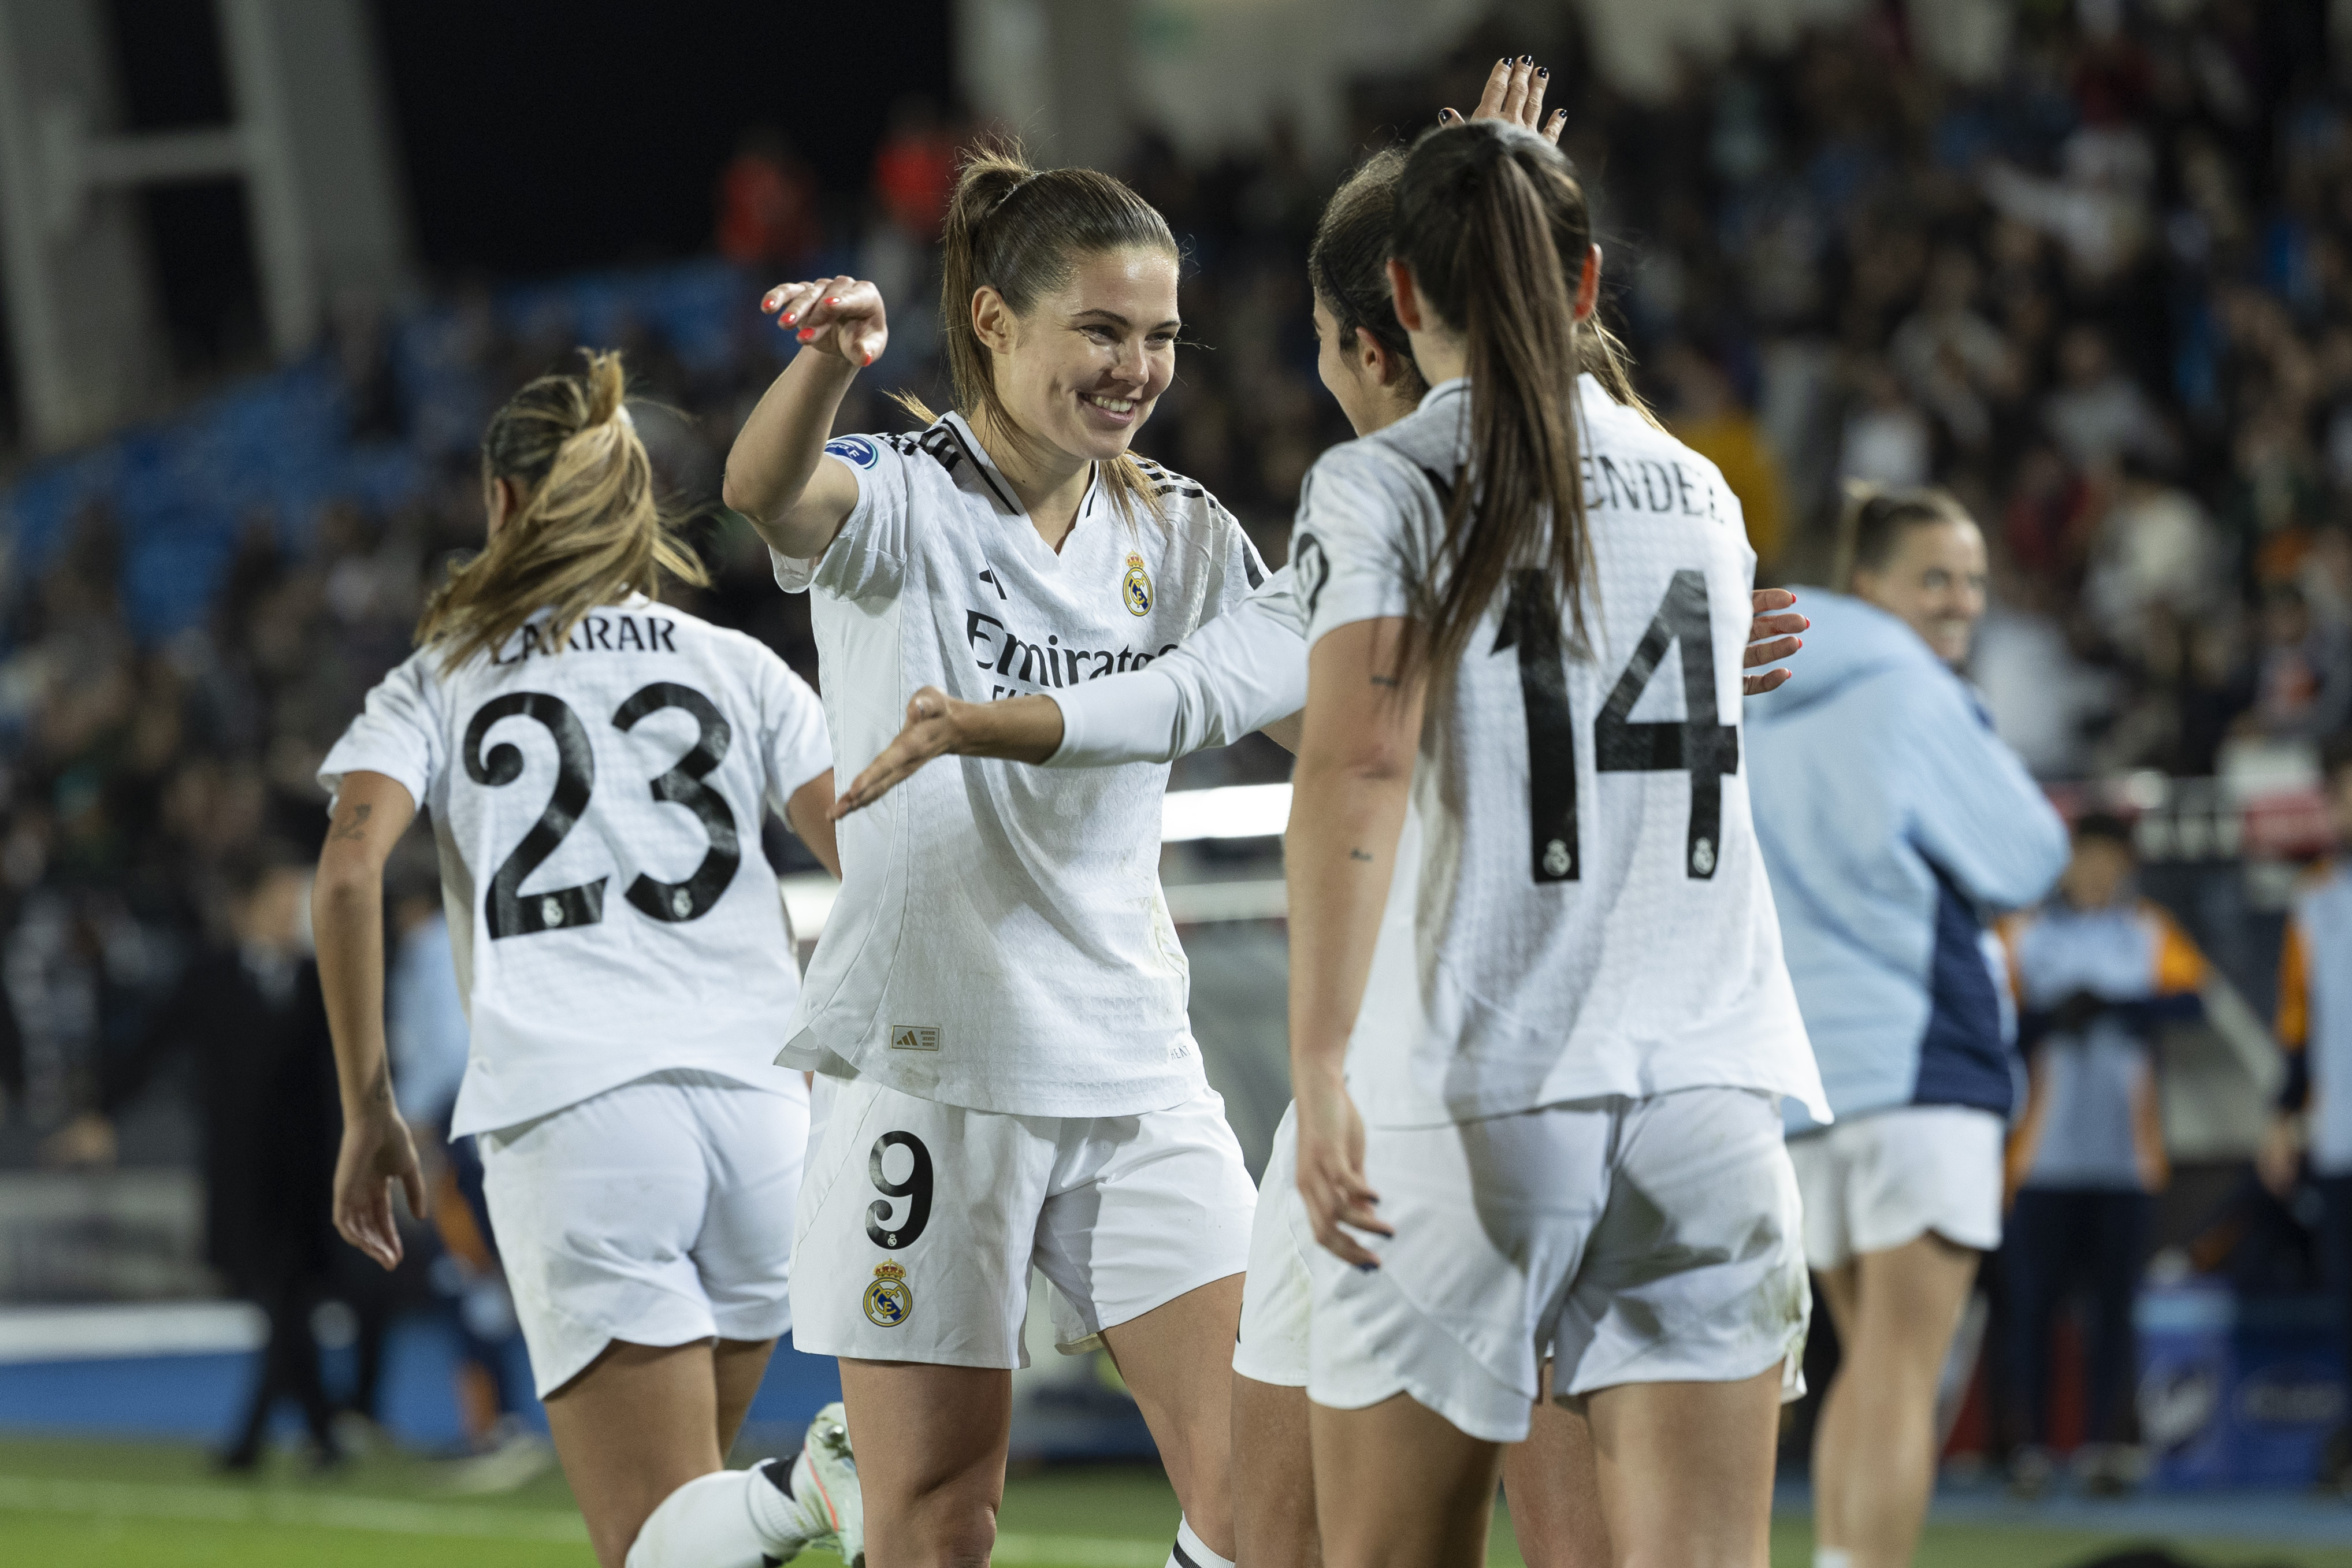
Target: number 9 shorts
<point x="1654" y="1240"/>
<point x="920" y="1223"/>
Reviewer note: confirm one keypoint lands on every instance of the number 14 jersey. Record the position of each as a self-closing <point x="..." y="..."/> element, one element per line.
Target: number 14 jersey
<point x="597" y="809"/>
<point x="1579" y="908"/>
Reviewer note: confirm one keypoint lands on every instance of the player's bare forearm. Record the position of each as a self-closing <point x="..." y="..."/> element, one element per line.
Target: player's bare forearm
<point x="347" y="919"/>
<point x="777" y="473"/>
<point x="810" y="815"/>
<point x="1018" y="729"/>
<point x="1349" y="793"/>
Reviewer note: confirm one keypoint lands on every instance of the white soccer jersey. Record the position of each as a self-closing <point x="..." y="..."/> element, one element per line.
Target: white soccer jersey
<point x="1001" y="943"/>
<point x="1579" y="908"/>
<point x="598" y="811"/>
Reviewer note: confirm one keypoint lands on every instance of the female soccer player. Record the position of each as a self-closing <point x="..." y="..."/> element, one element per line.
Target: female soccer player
<point x="596" y="765"/>
<point x="1245" y="671"/>
<point x="1892" y="816"/>
<point x="1530" y="934"/>
<point x="996" y="1010"/>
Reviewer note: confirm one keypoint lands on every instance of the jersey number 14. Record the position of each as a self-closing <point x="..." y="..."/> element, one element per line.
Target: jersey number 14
<point x="1697" y="745"/>
<point x="513" y="912"/>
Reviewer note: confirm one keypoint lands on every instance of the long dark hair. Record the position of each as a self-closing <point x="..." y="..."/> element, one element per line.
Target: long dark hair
<point x="1494" y="225"/>
<point x="1021" y="231"/>
<point x="1347" y="269"/>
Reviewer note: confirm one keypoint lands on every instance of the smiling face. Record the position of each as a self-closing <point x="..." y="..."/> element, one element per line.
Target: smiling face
<point x="1081" y="371"/>
<point x="1933" y="579"/>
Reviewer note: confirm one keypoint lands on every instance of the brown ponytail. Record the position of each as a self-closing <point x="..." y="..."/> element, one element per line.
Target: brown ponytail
<point x="1491" y="221"/>
<point x="587" y="533"/>
<point x="1020" y="230"/>
<point x="1347" y="269"/>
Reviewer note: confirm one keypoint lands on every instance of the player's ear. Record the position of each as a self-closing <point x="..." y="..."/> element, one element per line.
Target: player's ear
<point x="1373" y="358"/>
<point x="1407" y="298"/>
<point x="991" y="319"/>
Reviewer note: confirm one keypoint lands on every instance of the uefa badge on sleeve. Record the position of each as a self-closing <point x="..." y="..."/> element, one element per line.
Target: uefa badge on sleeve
<point x="1136" y="587"/>
<point x="889" y="1299"/>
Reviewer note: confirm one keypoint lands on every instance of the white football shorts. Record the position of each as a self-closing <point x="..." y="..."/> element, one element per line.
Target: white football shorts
<point x="919" y="1222"/>
<point x="1649" y="1241"/>
<point x="1876" y="1182"/>
<point x="658" y="1212"/>
<point x="1278" y="1299"/>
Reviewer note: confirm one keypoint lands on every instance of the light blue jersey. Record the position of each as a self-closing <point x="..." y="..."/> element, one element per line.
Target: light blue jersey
<point x="1891" y="818"/>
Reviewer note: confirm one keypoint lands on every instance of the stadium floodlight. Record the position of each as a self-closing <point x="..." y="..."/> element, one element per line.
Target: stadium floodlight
<point x="1228" y="811"/>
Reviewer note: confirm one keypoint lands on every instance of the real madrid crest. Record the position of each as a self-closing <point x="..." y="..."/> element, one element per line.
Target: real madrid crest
<point x="889" y="1298"/>
<point x="1136" y="587"/>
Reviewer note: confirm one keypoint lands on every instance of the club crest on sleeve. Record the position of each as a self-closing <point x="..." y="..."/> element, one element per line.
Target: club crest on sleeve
<point x="1135" y="588"/>
<point x="852" y="449"/>
<point x="889" y="1298"/>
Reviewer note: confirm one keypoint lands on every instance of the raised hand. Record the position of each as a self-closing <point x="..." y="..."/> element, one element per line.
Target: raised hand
<point x="1771" y="636"/>
<point x="838" y="316"/>
<point x="1514" y="91"/>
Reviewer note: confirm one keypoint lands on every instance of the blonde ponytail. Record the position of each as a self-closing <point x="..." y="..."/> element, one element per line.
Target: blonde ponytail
<point x="587" y="531"/>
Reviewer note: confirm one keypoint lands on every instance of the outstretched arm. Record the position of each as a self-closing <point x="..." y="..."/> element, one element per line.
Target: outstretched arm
<point x="777" y="473"/>
<point x="371" y="812"/>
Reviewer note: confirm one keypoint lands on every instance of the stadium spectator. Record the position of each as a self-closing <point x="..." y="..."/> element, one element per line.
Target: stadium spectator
<point x="768" y="211"/>
<point x="249" y="1010"/>
<point x="2097" y="971"/>
<point x="2314" y="1025"/>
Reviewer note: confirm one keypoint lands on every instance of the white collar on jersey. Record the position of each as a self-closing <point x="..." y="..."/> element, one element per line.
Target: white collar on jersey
<point x="1000" y="489"/>
<point x="1586" y="387"/>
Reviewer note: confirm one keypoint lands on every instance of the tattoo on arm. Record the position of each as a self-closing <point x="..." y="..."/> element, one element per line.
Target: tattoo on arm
<point x="353" y="827"/>
<point x="1387" y="681"/>
<point x="1357" y="855"/>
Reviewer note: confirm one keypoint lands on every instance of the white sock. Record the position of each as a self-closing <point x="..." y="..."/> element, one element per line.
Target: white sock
<point x="1823" y="1557"/>
<point x="1190" y="1551"/>
<point x="728" y="1518"/>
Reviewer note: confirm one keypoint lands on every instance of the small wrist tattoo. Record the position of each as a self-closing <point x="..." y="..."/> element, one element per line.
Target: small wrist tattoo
<point x="1357" y="855"/>
<point x="1387" y="681"/>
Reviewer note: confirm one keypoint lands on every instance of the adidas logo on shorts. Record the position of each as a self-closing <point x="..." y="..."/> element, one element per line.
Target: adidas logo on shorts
<point x="914" y="1037"/>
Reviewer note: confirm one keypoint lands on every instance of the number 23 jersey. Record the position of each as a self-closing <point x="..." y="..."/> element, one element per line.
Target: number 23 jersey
<point x="1579" y="908"/>
<point x="597" y="810"/>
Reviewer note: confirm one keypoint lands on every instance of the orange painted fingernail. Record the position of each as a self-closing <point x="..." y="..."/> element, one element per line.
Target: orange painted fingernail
<point x="806" y="333"/>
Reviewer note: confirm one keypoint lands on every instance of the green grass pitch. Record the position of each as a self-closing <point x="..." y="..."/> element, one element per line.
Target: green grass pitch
<point x="70" y="1504"/>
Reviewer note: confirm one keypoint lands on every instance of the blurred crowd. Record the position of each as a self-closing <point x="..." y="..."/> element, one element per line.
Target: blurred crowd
<point x="2106" y="298"/>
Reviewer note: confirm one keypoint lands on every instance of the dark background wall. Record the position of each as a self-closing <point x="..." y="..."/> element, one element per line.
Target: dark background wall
<point x="541" y="136"/>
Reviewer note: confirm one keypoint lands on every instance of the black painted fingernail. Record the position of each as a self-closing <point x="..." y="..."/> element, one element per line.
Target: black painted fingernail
<point x="1543" y="70"/>
<point x="1527" y="59"/>
<point x="1503" y="61"/>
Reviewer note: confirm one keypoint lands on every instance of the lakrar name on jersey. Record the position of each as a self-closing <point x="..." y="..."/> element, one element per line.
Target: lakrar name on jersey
<point x="1004" y="651"/>
<point x="596" y="633"/>
<point x="1647" y="484"/>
